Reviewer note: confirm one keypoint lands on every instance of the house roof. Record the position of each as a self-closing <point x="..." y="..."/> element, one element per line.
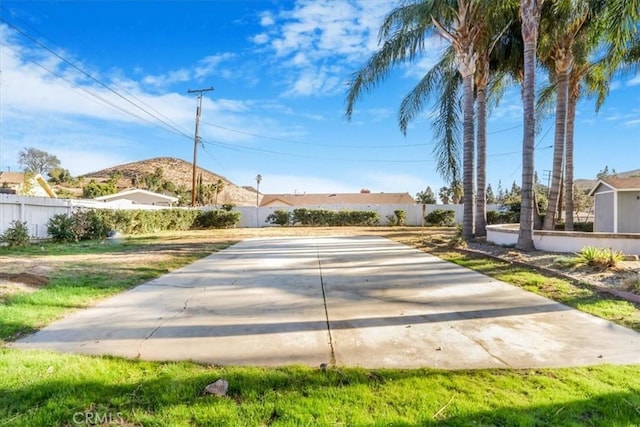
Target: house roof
<point x="137" y="191"/>
<point x="336" y="199"/>
<point x="12" y="177"/>
<point x="618" y="184"/>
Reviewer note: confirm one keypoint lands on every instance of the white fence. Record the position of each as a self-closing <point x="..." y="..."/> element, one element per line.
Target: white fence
<point x="36" y="211"/>
<point x="256" y="217"/>
<point x="565" y="241"/>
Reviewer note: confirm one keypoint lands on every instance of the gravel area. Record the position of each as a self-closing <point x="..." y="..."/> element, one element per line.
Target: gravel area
<point x="622" y="277"/>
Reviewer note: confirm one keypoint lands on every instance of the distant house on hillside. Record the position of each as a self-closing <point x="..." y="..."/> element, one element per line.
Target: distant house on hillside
<point x="342" y="199"/>
<point x="18" y="183"/>
<point x="138" y="196"/>
<point x="617" y="205"/>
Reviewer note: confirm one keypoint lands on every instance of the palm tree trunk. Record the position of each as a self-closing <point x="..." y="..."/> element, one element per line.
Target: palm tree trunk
<point x="530" y="14"/>
<point x="562" y="73"/>
<point x="468" y="169"/>
<point x="568" y="183"/>
<point x="481" y="168"/>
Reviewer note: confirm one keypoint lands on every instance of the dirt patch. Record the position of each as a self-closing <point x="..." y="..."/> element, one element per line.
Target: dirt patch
<point x="34" y="280"/>
<point x="13" y="283"/>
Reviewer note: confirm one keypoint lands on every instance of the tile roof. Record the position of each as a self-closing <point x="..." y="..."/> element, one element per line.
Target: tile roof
<point x="11" y="177"/>
<point x="336" y="199"/>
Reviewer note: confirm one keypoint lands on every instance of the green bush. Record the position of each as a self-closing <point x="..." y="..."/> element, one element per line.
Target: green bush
<point x="279" y="217"/>
<point x="16" y="235"/>
<point x="79" y="225"/>
<point x="217" y="219"/>
<point x="600" y="257"/>
<point x="61" y="227"/>
<point x="583" y="227"/>
<point x="327" y="218"/>
<point x="401" y="217"/>
<point x="498" y="217"/>
<point x="441" y="217"/>
<point x="96" y="224"/>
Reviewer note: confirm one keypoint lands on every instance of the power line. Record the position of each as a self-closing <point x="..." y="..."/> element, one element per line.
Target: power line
<point x="288" y="141"/>
<point x="91" y="77"/>
<point x="73" y="85"/>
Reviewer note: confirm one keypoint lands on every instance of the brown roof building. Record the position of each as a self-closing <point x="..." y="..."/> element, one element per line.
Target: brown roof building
<point x="296" y="200"/>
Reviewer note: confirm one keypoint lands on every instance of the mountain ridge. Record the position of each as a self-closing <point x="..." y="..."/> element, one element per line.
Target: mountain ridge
<point x="177" y="171"/>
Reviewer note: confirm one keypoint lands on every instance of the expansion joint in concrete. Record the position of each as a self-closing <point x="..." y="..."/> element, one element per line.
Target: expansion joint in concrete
<point x="332" y="360"/>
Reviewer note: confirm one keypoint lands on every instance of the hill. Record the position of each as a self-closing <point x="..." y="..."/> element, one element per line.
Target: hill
<point x="588" y="184"/>
<point x="176" y="171"/>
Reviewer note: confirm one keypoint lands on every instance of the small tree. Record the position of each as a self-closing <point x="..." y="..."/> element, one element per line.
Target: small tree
<point x="445" y="195"/>
<point x="60" y="176"/>
<point x="426" y="197"/>
<point x="491" y="198"/>
<point x="37" y="161"/>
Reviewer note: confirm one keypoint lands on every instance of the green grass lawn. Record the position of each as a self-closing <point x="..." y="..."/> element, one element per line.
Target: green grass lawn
<point x="582" y="297"/>
<point x="39" y="388"/>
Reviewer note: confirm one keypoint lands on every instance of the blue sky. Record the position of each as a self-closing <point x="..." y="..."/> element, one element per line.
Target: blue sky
<point x="279" y="70"/>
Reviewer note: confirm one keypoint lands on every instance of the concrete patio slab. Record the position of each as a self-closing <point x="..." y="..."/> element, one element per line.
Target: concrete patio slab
<point x="353" y="301"/>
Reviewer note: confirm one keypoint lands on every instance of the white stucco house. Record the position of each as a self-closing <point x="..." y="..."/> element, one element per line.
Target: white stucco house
<point x="138" y="196"/>
<point x="617" y="205"/>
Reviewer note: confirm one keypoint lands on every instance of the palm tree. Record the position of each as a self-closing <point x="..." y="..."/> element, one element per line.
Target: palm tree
<point x="562" y="21"/>
<point x="258" y="181"/>
<point x="402" y="36"/>
<point x="444" y="79"/>
<point x="602" y="22"/>
<point x="530" y="17"/>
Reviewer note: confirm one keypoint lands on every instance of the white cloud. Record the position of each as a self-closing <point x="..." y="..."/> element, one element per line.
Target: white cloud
<point x="635" y="81"/>
<point x="266" y="19"/>
<point x="261" y="38"/>
<point x="90" y="127"/>
<point x="209" y="65"/>
<point x="319" y="41"/>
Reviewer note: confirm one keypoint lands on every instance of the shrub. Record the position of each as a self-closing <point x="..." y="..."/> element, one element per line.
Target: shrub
<point x="79" y="225"/>
<point x="327" y="218"/>
<point x="217" y="219"/>
<point x="600" y="257"/>
<point x="96" y="224"/>
<point x="401" y="217"/>
<point x="61" y="228"/>
<point x="17" y="235"/>
<point x="498" y="217"/>
<point x="441" y="217"/>
<point x="279" y="217"/>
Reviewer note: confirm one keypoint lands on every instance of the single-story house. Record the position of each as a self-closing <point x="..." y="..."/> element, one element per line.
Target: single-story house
<point x="138" y="196"/>
<point x="617" y="205"/>
<point x="17" y="183"/>
<point x="298" y="200"/>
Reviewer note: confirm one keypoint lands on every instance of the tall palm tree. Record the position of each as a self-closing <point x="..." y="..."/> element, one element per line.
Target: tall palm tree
<point x="601" y="23"/>
<point x="530" y="17"/>
<point x="442" y="80"/>
<point x="402" y="35"/>
<point x="562" y="22"/>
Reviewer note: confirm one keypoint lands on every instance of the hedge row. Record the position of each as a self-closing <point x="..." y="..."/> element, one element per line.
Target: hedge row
<point x="97" y="224"/>
<point x="323" y="217"/>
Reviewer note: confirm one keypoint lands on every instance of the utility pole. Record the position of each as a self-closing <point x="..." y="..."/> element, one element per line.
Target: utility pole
<point x="196" y="140"/>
